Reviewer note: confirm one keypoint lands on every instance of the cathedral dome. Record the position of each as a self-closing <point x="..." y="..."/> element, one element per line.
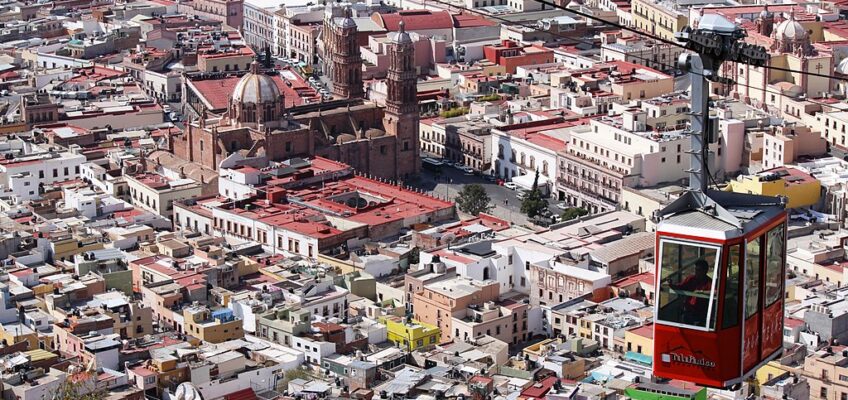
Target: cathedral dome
<point x="791" y="29"/>
<point x="256" y="88"/>
<point x="401" y="36"/>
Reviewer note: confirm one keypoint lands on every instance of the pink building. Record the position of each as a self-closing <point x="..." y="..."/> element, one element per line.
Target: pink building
<point x="438" y="303"/>
<point x="229" y="12"/>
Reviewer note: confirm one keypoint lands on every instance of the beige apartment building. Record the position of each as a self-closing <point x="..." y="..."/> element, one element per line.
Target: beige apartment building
<point x="827" y="375"/>
<point x="158" y="193"/>
<point x="658" y="18"/>
<point x="505" y="320"/>
<point x="439" y="302"/>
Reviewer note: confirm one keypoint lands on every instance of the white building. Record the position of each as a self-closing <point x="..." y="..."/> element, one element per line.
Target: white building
<point x="91" y="204"/>
<point x="258" y="26"/>
<point x="30" y="167"/>
<point x="314" y="350"/>
<point x="636" y="149"/>
<point x="518" y="156"/>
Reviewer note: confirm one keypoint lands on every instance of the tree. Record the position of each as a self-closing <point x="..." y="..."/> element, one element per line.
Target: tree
<point x="292" y="374"/>
<point x="79" y="386"/>
<point x="473" y="199"/>
<point x="268" y="63"/>
<point x="533" y="204"/>
<point x="574" y="212"/>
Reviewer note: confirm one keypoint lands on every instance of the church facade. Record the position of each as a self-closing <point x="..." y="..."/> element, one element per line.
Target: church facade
<point x="791" y="47"/>
<point x="381" y="141"/>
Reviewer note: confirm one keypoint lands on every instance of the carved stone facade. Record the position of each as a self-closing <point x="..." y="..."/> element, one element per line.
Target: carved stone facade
<point x="344" y="62"/>
<point x="402" y="116"/>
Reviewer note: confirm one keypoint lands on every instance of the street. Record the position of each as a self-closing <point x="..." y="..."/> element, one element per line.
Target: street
<point x="505" y="200"/>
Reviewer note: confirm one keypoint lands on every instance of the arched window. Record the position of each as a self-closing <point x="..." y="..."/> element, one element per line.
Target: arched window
<point x="545" y="168"/>
<point x="522" y="159"/>
<point x="532" y="162"/>
<point x="486" y="273"/>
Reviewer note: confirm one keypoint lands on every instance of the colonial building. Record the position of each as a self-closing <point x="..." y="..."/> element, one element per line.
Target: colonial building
<point x="791" y="48"/>
<point x="260" y="121"/>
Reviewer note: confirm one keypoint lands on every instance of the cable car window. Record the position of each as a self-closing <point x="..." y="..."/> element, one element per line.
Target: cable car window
<point x="774" y="264"/>
<point x="731" y="288"/>
<point x="752" y="277"/>
<point x="687" y="284"/>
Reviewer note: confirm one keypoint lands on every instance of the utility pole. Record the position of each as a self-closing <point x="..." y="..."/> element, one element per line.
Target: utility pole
<point x="715" y="41"/>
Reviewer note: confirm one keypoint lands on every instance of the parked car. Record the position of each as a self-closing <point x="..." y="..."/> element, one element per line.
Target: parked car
<point x="467" y="170"/>
<point x="510" y="185"/>
<point x="521" y="194"/>
<point x="562" y="206"/>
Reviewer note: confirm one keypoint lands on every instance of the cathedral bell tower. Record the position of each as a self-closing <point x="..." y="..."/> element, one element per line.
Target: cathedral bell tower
<point x="342" y="51"/>
<point x="402" y="115"/>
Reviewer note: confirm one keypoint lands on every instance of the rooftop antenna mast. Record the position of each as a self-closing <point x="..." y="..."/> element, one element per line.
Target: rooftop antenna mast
<point x="713" y="42"/>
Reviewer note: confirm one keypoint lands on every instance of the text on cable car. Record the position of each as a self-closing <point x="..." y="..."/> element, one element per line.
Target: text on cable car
<point x="687" y="359"/>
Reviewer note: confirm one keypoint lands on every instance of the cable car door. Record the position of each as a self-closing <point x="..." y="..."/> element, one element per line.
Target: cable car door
<point x="773" y="291"/>
<point x="753" y="266"/>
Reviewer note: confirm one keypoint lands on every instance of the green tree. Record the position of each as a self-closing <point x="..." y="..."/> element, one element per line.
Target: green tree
<point x="473" y="199"/>
<point x="454" y="112"/>
<point x="572" y="213"/>
<point x="268" y="63"/>
<point x="79" y="386"/>
<point x="533" y="204"/>
<point x="292" y="374"/>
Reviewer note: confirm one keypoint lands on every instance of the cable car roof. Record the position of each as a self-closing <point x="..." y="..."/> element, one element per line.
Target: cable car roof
<point x="719" y="215"/>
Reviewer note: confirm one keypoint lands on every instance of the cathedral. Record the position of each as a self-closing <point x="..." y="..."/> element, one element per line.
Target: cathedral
<point x="260" y="123"/>
<point x="791" y="47"/>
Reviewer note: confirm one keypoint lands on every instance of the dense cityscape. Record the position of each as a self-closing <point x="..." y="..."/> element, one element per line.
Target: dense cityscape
<point x="423" y="199"/>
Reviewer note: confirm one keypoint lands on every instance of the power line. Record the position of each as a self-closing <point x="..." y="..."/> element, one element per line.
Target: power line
<point x="578" y="40"/>
<point x="673" y="43"/>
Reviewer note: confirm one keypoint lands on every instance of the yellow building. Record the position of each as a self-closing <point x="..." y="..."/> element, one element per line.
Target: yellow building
<point x="658" y="18"/>
<point x="67" y="246"/>
<point x="410" y="334"/>
<point x="640" y="340"/>
<point x="801" y="189"/>
<point x="212" y="326"/>
<point x="18" y="332"/>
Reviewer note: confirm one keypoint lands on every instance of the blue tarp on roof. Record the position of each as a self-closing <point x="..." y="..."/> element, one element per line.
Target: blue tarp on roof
<point x="638" y="357"/>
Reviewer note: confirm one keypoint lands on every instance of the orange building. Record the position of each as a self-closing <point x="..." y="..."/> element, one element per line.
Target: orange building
<point x="439" y="302"/>
<point x="511" y="55"/>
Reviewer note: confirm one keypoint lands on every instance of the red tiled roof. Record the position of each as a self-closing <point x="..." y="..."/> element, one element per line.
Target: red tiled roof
<point x="646" y="331"/>
<point x="415" y="20"/>
<point x="244" y="394"/>
<point x="539" y="389"/>
<point x="471" y="21"/>
<point x="218" y="91"/>
<point x="792" y="322"/>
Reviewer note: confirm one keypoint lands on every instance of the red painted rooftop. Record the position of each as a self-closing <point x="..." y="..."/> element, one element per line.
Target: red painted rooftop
<point x="415" y="20"/>
<point x="218" y="91"/>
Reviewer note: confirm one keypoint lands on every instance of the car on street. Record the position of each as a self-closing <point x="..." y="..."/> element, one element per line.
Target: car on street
<point x="521" y="194"/>
<point x="467" y="170"/>
<point x="562" y="206"/>
<point x="510" y="185"/>
<point x="490" y="178"/>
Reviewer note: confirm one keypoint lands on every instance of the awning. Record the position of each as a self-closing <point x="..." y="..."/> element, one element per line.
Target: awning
<point x="639" y="357"/>
<point x="526" y="182"/>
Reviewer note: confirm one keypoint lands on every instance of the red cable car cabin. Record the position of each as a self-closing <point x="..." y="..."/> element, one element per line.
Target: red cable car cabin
<point x="719" y="282"/>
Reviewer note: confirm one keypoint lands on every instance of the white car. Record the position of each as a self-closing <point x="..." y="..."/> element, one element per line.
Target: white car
<point x="521" y="194"/>
<point x="562" y="206"/>
<point x="510" y="185"/>
<point x="467" y="170"/>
